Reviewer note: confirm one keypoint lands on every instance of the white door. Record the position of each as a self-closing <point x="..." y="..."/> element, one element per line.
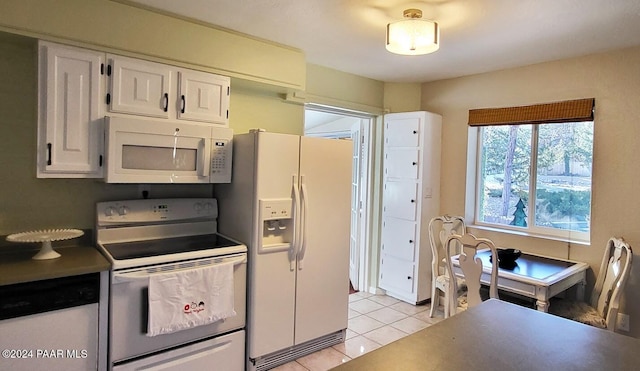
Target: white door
<point x="70" y="129"/>
<point x="204" y="97"/>
<point x="322" y="291"/>
<point x="140" y="87"/>
<point x="354" y="242"/>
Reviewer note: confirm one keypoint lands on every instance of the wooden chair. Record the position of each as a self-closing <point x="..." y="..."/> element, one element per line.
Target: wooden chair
<point x="440" y="228"/>
<point x="602" y="309"/>
<point x="471" y="267"/>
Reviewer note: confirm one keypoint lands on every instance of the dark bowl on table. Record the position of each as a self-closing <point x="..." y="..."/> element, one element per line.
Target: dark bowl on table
<point x="507" y="258"/>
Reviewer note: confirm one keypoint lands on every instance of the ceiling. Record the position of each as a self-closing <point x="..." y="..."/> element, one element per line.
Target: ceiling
<point x="475" y="35"/>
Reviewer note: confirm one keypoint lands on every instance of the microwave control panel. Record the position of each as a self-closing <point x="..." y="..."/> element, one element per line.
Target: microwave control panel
<point x="221" y="154"/>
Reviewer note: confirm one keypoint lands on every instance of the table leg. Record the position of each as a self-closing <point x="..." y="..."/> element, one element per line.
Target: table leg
<point x="580" y="287"/>
<point x="543" y="306"/>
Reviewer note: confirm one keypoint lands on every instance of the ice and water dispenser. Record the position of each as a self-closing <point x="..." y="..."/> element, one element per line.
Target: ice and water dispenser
<point x="277" y="221"/>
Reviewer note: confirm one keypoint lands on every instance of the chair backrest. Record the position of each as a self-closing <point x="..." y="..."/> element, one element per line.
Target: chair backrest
<point x="612" y="277"/>
<point x="471" y="266"/>
<point x="440" y="228"/>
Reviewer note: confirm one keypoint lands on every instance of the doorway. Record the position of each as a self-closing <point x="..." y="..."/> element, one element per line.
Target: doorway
<point x="331" y="122"/>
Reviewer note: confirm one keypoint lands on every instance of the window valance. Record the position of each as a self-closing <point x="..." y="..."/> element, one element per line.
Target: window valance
<point x="578" y="110"/>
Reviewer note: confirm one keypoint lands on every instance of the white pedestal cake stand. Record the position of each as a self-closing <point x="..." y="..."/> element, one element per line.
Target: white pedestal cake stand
<point x="45" y="236"/>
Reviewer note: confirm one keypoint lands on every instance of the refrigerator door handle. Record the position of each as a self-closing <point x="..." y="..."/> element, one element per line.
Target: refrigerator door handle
<point x="304" y="195"/>
<point x="293" y="249"/>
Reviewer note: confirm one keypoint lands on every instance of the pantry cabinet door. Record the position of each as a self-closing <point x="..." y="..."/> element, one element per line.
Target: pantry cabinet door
<point x="140" y="87"/>
<point x="402" y="132"/>
<point x="400" y="200"/>
<point x="397" y="275"/>
<point x="402" y="163"/>
<point x="203" y="97"/>
<point x="70" y="140"/>
<point x="399" y="238"/>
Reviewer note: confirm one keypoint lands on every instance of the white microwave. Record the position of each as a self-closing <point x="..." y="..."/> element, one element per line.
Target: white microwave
<point x="152" y="151"/>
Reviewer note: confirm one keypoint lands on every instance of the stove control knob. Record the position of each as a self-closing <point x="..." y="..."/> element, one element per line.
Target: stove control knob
<point x="208" y="206"/>
<point x="123" y="210"/>
<point x="197" y="206"/>
<point x="109" y="211"/>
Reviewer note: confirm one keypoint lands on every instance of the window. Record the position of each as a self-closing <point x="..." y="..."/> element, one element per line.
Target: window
<point x="535" y="177"/>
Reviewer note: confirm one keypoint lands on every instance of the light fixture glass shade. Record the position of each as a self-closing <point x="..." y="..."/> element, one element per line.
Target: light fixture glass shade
<point x="413" y="36"/>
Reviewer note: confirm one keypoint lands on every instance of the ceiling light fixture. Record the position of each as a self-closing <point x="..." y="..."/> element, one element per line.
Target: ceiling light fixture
<point x="413" y="35"/>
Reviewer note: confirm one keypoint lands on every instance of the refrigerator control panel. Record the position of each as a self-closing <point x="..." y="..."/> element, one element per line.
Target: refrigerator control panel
<point x="274" y="209"/>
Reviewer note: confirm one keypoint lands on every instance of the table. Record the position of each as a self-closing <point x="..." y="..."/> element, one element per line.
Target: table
<point x="497" y="335"/>
<point x="535" y="276"/>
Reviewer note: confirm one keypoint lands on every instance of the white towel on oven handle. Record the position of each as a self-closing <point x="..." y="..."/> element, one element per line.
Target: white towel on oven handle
<point x="188" y="298"/>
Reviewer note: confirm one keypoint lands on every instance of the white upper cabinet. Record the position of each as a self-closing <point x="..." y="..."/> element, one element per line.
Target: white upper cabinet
<point x="140" y="87"/>
<point x="78" y="87"/>
<point x="70" y="140"/>
<point x="203" y="97"/>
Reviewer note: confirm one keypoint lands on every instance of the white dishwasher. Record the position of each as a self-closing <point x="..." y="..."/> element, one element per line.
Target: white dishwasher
<point x="50" y="324"/>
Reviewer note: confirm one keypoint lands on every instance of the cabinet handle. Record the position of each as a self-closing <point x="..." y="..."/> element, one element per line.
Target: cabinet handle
<point x="48" y="153"/>
<point x="410" y="241"/>
<point x="415" y="132"/>
<point x="413" y="201"/>
<point x="183" y="104"/>
<point x="166" y="101"/>
<point x="408" y="277"/>
<point x="414" y="163"/>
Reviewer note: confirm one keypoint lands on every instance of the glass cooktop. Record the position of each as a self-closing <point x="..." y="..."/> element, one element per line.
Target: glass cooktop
<point x="165" y="246"/>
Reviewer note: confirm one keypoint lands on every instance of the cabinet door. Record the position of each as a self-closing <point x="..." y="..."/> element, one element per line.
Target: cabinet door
<point x="203" y="97"/>
<point x="70" y="139"/>
<point x="400" y="200"/>
<point x="396" y="275"/>
<point x="140" y="87"/>
<point x="399" y="238"/>
<point x="401" y="163"/>
<point x="402" y="132"/>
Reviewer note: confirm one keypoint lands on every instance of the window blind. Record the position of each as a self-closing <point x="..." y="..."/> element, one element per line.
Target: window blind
<point x="578" y="110"/>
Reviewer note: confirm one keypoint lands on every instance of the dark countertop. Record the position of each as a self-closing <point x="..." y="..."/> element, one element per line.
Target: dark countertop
<point x="78" y="257"/>
<point x="497" y="335"/>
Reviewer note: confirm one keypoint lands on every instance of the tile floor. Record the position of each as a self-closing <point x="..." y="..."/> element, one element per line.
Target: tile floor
<point x="374" y="320"/>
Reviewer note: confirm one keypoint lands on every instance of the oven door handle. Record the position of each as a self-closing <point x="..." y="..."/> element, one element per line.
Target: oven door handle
<point x="144" y="274"/>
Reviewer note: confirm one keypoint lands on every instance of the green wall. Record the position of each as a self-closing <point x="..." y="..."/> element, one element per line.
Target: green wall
<point x="29" y="203"/>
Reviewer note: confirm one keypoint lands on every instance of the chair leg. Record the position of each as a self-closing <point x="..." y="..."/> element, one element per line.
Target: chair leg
<point x="452" y="303"/>
<point x="435" y="300"/>
<point x="446" y="305"/>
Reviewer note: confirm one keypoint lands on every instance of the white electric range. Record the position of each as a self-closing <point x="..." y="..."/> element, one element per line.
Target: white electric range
<point x="143" y="238"/>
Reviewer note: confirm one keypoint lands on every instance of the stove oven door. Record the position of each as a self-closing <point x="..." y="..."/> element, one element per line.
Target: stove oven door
<point x="129" y="310"/>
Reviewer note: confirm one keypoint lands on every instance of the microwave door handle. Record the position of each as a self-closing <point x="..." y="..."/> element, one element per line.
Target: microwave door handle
<point x="206" y="159"/>
<point x="142" y="274"/>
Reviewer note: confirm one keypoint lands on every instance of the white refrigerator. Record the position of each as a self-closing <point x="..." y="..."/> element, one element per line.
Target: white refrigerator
<point x="289" y="202"/>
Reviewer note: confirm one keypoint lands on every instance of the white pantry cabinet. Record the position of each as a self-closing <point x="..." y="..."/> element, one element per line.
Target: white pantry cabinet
<point x="70" y="139"/>
<point x="146" y="88"/>
<point x="411" y="197"/>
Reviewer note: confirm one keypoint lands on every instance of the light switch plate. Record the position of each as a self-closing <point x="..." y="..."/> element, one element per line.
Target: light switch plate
<point x="622" y="322"/>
